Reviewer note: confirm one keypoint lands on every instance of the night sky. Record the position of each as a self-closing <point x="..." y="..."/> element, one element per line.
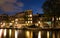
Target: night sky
<point x="14" y="6"/>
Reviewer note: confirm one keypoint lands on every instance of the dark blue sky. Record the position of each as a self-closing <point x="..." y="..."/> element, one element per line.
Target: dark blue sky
<point x="14" y="6"/>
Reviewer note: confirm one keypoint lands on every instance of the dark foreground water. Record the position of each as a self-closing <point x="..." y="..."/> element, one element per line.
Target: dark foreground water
<point x="12" y="33"/>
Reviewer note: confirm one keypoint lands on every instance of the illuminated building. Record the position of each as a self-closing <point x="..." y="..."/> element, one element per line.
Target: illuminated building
<point x="20" y="18"/>
<point x="28" y="17"/>
<point x="25" y="18"/>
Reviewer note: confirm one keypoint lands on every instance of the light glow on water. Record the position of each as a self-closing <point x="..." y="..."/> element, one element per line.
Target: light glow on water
<point x="39" y="34"/>
<point x="16" y="34"/>
<point x="5" y="32"/>
<point x="10" y="32"/>
<point x="47" y="34"/>
<point x="54" y="35"/>
<point x="1" y="30"/>
<point x="29" y="34"/>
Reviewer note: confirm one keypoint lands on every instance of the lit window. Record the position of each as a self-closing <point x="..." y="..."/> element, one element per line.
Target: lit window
<point x="27" y="24"/>
<point x="29" y="21"/>
<point x="16" y="19"/>
<point x="52" y="19"/>
<point x="36" y="24"/>
<point x="10" y="23"/>
<point x="25" y="21"/>
<point x="21" y="18"/>
<point x="59" y="18"/>
<point x="30" y="15"/>
<point x="3" y="23"/>
<point x="56" y="18"/>
<point x="38" y="21"/>
<point x="15" y="22"/>
<point x="29" y="18"/>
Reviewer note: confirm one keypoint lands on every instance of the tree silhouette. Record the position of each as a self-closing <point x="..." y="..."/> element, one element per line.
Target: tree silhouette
<point x="52" y="9"/>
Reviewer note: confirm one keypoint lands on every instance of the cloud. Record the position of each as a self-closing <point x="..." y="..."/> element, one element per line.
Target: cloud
<point x="9" y="5"/>
<point x="11" y="1"/>
<point x="2" y="1"/>
<point x="20" y="4"/>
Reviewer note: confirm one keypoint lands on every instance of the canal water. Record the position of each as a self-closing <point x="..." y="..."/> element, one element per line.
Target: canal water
<point x="12" y="33"/>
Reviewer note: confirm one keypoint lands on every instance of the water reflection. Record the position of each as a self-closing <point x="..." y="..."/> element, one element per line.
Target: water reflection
<point x="39" y="34"/>
<point x="16" y="33"/>
<point x="29" y="34"/>
<point x="47" y="34"/>
<point x="54" y="35"/>
<point x="12" y="33"/>
<point x="5" y="31"/>
<point x="1" y="31"/>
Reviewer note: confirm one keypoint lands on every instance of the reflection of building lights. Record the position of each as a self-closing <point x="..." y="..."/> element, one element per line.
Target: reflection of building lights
<point x="27" y="34"/>
<point x="1" y="30"/>
<point x="16" y="19"/>
<point x="16" y="34"/>
<point x="47" y="34"/>
<point x="31" y="21"/>
<point x="25" y="21"/>
<point x="10" y="32"/>
<point x="30" y="15"/>
<point x="39" y="34"/>
<point x="5" y="32"/>
<point x="53" y="35"/>
<point x="29" y="18"/>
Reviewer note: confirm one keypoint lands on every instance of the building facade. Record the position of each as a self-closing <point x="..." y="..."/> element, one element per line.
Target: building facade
<point x="25" y="18"/>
